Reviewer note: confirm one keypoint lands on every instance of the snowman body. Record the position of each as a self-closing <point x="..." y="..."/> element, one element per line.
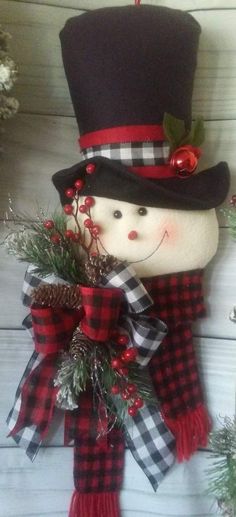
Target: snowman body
<point x="155" y="241"/>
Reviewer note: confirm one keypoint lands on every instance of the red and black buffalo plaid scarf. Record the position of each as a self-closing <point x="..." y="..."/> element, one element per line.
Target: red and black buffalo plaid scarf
<point x="178" y="301"/>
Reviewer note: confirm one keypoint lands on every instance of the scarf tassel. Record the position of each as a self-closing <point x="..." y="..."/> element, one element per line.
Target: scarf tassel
<point x="190" y="431"/>
<point x="104" y="504"/>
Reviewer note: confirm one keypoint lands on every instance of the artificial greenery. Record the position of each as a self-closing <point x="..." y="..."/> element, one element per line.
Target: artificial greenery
<point x="178" y="135"/>
<point x="222" y="474"/>
<point x="33" y="243"/>
<point x="89" y="364"/>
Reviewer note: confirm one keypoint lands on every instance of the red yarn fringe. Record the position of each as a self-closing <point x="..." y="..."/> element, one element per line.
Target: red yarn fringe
<point x="104" y="504"/>
<point x="190" y="430"/>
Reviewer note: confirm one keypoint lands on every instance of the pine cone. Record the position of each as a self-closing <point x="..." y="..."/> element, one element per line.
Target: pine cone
<point x="57" y="295"/>
<point x="80" y="344"/>
<point x="98" y="266"/>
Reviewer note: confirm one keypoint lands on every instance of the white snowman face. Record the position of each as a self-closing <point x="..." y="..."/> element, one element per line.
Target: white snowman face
<point x="155" y="241"/>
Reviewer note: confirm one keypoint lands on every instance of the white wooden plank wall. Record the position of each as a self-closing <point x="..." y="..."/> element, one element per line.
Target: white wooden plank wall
<point x="38" y="142"/>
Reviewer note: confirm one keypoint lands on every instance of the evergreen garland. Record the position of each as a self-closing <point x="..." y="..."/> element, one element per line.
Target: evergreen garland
<point x="222" y="474"/>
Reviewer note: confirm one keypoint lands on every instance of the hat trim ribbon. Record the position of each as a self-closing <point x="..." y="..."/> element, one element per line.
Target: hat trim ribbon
<point x="122" y="134"/>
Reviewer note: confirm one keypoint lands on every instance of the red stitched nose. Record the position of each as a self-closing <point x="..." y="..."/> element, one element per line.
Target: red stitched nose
<point x="132" y="235"/>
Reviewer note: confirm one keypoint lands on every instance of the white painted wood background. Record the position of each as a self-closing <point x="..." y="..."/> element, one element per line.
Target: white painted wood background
<point x="38" y="142"/>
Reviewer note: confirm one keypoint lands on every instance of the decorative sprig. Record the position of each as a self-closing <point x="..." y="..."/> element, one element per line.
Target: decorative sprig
<point x="222" y="474"/>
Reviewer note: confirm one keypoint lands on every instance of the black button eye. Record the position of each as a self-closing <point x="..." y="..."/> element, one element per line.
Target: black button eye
<point x="142" y="210"/>
<point x="117" y="214"/>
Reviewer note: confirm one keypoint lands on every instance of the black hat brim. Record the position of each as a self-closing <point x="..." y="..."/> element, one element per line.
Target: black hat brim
<point x="201" y="191"/>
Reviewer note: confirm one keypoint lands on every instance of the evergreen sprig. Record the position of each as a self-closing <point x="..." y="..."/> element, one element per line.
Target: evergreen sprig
<point x="222" y="474"/>
<point x="33" y="243"/>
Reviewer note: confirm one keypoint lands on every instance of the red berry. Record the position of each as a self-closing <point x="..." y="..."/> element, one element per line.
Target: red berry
<point x="79" y="184"/>
<point x="122" y="339"/>
<point x="95" y="231"/>
<point x="88" y="223"/>
<point x="70" y="192"/>
<point x="90" y="168"/>
<point x="55" y="238"/>
<point x="131" y="388"/>
<point x="116" y="363"/>
<point x="68" y="209"/>
<point x="125" y="395"/>
<point x="129" y="355"/>
<point x="115" y="389"/>
<point x="82" y="209"/>
<point x="132" y="410"/>
<point x="69" y="234"/>
<point x="138" y="403"/>
<point x="123" y="371"/>
<point x="89" y="201"/>
<point x="48" y="224"/>
<point x="76" y="237"/>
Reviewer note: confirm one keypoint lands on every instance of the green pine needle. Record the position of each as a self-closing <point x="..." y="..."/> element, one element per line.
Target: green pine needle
<point x="29" y="241"/>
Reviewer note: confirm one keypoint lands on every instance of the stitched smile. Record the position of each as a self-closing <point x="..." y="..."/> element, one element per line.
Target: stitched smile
<point x="155" y="250"/>
<point x="148" y="256"/>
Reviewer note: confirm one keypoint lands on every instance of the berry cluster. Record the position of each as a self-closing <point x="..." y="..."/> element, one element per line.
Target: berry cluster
<point x="127" y="390"/>
<point x="78" y="236"/>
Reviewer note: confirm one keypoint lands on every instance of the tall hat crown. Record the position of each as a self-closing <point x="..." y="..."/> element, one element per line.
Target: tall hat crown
<point x="126" y="67"/>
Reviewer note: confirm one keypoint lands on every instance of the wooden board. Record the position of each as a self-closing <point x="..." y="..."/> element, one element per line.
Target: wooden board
<point x="181" y="495"/>
<point x="189" y="5"/>
<point x="42" y="88"/>
<point x="38" y="146"/>
<point x="217" y="360"/>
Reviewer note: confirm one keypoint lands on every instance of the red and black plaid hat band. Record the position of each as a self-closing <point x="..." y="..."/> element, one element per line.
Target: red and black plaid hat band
<point x="142" y="148"/>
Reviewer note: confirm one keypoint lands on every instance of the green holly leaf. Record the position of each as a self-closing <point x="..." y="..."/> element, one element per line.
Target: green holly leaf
<point x="174" y="129"/>
<point x="197" y="132"/>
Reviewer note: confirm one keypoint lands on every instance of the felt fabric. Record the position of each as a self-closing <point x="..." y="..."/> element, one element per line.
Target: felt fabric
<point x="113" y="180"/>
<point x="122" y="63"/>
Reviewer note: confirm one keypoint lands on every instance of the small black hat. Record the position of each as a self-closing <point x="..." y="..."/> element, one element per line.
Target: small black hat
<point x="126" y="67"/>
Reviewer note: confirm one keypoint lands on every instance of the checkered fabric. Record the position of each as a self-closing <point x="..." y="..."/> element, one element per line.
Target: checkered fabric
<point x="38" y="396"/>
<point x="28" y="438"/>
<point x="125" y="278"/>
<point x="53" y="328"/>
<point x="178" y="300"/>
<point x="96" y="468"/>
<point x="132" y="154"/>
<point x="102" y="309"/>
<point x="145" y="333"/>
<point x="151" y="443"/>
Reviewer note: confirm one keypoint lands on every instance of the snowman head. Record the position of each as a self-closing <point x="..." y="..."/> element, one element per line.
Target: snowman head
<point x="122" y="93"/>
<point x="154" y="241"/>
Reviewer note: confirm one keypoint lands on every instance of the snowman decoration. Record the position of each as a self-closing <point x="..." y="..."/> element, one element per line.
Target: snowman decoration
<point x="130" y="72"/>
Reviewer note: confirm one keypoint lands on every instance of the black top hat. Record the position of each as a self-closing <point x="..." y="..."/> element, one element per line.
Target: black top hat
<point x="126" y="67"/>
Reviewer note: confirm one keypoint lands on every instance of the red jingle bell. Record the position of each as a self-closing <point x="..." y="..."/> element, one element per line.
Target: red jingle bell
<point x="185" y="159"/>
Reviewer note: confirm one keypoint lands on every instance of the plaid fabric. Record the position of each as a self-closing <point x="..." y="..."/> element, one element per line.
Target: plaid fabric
<point x="132" y="154"/>
<point x="53" y="328"/>
<point x="125" y="278"/>
<point x="178" y="299"/>
<point x="28" y="438"/>
<point x="146" y="334"/>
<point x="38" y="396"/>
<point x="175" y="374"/>
<point x="102" y="309"/>
<point x="151" y="443"/>
<point x="96" y="468"/>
